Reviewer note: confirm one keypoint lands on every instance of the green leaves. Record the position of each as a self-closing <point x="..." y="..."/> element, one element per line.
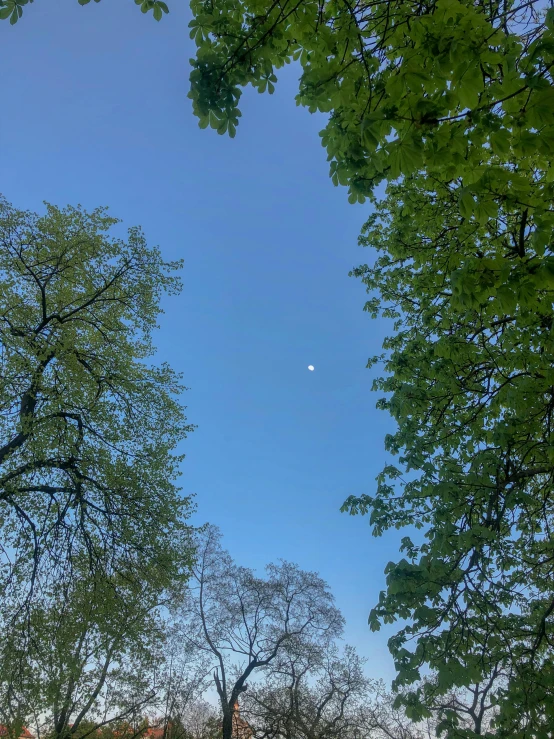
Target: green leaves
<point x="405" y="157"/>
<point x="13" y="9"/>
<point x="157" y="7"/>
<point x="468" y="81"/>
<point x="437" y="83"/>
<point x="500" y="143"/>
<point x="467" y="204"/>
<point x="469" y="382"/>
<point x="92" y="644"/>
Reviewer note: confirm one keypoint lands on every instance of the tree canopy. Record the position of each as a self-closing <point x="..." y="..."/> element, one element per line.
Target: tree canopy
<point x="469" y="382"/>
<point x="88" y="426"/>
<point x="442" y="85"/>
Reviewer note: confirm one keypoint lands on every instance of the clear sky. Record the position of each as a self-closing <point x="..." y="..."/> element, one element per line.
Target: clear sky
<point x="95" y="112"/>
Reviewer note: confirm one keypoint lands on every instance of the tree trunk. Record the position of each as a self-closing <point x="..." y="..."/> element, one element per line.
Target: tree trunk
<point x="227" y="726"/>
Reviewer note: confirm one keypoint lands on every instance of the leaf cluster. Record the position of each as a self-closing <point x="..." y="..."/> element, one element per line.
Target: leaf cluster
<point x="13" y="9"/>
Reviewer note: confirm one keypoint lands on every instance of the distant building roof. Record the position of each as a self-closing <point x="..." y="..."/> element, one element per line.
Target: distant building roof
<point x="25" y="733"/>
<point x="154" y="732"/>
<point x="241" y="728"/>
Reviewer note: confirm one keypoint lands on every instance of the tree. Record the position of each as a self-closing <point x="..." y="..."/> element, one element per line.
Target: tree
<point x="324" y="694"/>
<point x="13" y="9"/>
<point x="244" y="622"/>
<point x="135" y="727"/>
<point x="184" y="679"/>
<point x="88" y="427"/>
<point x="469" y="382"/>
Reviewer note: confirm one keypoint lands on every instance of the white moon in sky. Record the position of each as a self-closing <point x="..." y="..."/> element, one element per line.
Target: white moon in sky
<point x="311" y="367"/>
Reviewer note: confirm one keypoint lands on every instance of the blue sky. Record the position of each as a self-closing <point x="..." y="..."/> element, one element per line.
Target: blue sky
<point x="95" y="112"/>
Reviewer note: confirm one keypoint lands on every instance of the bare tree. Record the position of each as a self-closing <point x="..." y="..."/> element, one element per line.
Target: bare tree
<point x="312" y="693"/>
<point x="324" y="694"/>
<point x="199" y="720"/>
<point x="244" y="622"/>
<point x="185" y="678"/>
<point x="452" y="714"/>
<point x="460" y="710"/>
<point x="380" y="717"/>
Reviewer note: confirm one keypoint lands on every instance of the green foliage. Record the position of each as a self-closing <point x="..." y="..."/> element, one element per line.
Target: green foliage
<point x="88" y="426"/>
<point x="408" y="86"/>
<point x="470" y="383"/>
<point x="13" y="9"/>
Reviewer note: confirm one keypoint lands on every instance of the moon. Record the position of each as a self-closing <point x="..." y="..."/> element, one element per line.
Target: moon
<point x="311" y="367"/>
